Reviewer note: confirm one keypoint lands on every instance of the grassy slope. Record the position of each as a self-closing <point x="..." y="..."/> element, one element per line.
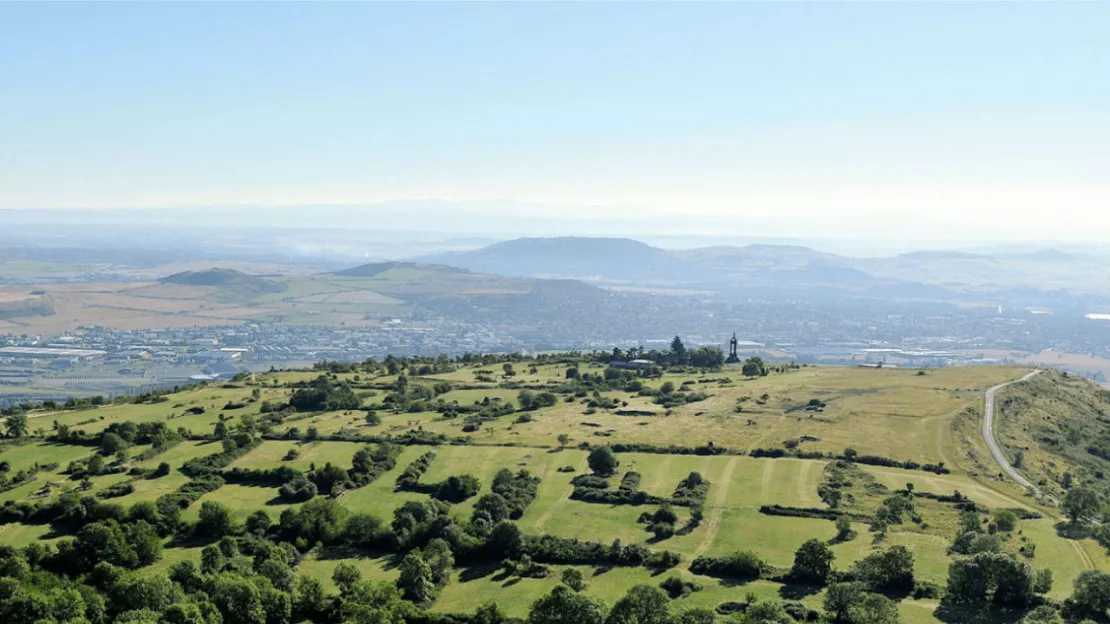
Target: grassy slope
<point x="889" y="412"/>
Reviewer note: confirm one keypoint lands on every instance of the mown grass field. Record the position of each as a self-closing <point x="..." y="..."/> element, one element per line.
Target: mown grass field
<point x="901" y="414"/>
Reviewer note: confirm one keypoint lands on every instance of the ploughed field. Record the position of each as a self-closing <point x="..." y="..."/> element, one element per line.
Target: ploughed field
<point x="783" y="456"/>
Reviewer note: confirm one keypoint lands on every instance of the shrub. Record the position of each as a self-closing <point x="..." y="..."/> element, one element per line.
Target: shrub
<point x="456" y="489"/>
<point x="678" y="588"/>
<point x="603" y="462"/>
<point x="298" y="490"/>
<point x="742" y="565"/>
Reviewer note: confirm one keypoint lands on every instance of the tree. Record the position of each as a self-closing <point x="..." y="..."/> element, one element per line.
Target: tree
<point x="457" y="489"/>
<point x="1042" y="581"/>
<point x="362" y="530"/>
<point x="603" y="462"/>
<point x="754" y="367"/>
<point x="563" y="439"/>
<point x="495" y="506"/>
<point x="973" y="579"/>
<point x="643" y="604"/>
<point x="416" y="582"/>
<point x="238" y="600"/>
<point x="572" y="578"/>
<point x="111" y="443"/>
<point x="678" y="350"/>
<point x="526" y="399"/>
<point x="888" y="569"/>
<point x="707" y="357"/>
<point x="95" y="465"/>
<point x="345" y="576"/>
<point x="440" y="559"/>
<point x="564" y="606"/>
<point x="214" y="520"/>
<point x="1092" y="593"/>
<point x="375" y="603"/>
<point x="874" y="609"/>
<point x="839" y="600"/>
<point x="1044" y="614"/>
<point x="16" y="425"/>
<point x="259" y="522"/>
<point x="843" y="528"/>
<point x="489" y="613"/>
<point x="309" y="599"/>
<point x="1081" y="503"/>
<point x="812" y="562"/>
<point x="767" y="612"/>
<point x="144" y="539"/>
<point x="1005" y="519"/>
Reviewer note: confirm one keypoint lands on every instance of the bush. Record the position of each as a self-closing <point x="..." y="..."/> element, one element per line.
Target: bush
<point x="691" y="491"/>
<point x="298" y="490"/>
<point x="678" y="588"/>
<point x="742" y="565"/>
<point x="603" y="462"/>
<point x="410" y="478"/>
<point x="457" y="489"/>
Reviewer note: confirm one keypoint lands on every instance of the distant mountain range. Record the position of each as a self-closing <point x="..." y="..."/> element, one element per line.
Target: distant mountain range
<point x="623" y="262"/>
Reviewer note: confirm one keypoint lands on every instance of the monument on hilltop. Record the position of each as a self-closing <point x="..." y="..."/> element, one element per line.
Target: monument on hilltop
<point x="733" y="358"/>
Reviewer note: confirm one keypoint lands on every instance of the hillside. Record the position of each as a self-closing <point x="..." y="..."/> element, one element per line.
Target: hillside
<point x="360" y="468"/>
<point x="1055" y="428"/>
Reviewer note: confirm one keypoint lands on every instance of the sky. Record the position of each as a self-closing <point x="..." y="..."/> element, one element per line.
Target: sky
<point x="947" y="119"/>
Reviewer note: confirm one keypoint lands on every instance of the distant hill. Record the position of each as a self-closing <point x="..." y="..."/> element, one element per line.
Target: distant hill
<point x="242" y="285"/>
<point x="377" y="268"/>
<point x="31" y="305"/>
<point x="777" y="264"/>
<point x="781" y="254"/>
<point x="604" y="259"/>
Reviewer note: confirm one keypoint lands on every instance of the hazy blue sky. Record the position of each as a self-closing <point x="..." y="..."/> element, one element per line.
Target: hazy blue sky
<point x="888" y="116"/>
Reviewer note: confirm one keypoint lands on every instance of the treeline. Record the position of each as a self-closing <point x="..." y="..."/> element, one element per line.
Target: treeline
<point x="851" y="455"/>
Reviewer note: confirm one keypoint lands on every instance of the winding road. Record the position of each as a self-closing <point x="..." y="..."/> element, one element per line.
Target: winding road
<point x="992" y="442"/>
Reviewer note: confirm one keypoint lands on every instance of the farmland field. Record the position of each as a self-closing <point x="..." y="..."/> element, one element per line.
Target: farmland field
<point x="763" y="442"/>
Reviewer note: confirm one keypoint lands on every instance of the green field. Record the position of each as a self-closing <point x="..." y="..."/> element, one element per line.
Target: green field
<point x="898" y="414"/>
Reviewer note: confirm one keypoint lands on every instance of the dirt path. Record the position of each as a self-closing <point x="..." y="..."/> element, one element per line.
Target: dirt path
<point x="717" y="511"/>
<point x="992" y="442"/>
<point x="1082" y="552"/>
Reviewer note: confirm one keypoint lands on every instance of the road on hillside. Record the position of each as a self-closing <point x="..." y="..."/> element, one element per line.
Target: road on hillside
<point x="992" y="442"/>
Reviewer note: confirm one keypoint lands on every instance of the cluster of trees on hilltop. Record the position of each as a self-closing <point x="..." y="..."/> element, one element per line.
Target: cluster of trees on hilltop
<point x="709" y="357"/>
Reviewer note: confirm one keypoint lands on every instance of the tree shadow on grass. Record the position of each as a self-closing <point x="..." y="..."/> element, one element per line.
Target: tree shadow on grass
<point x="734" y="582"/>
<point x="687" y="529"/>
<point x="798" y="591"/>
<point x="959" y="614"/>
<point x="842" y="540"/>
<point x="602" y="569"/>
<point x="1072" y="530"/>
<point x="476" y="572"/>
<point x="189" y="541"/>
